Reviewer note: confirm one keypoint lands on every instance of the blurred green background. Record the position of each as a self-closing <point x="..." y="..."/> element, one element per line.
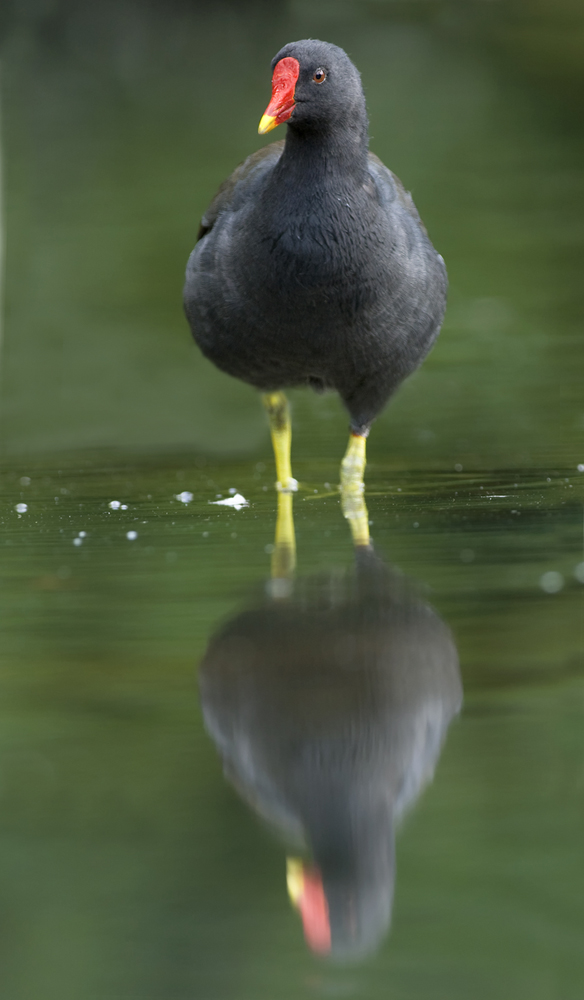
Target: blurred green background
<point x="128" y="869"/>
<point x="121" y="118"/>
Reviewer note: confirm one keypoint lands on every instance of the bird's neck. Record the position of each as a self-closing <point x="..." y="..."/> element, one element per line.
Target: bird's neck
<point x="313" y="156"/>
<point x="351" y="834"/>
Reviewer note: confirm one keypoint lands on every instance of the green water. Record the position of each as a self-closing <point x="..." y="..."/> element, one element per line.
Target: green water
<point x="129" y="868"/>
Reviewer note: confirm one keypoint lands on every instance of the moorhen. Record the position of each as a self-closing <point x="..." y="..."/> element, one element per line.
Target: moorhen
<point x="313" y="267"/>
<point x="329" y="708"/>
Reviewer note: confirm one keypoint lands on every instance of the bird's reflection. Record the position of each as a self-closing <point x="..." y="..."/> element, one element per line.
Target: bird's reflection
<point x="329" y="699"/>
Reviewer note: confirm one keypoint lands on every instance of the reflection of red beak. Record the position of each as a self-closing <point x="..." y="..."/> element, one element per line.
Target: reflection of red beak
<point x="307" y="895"/>
<point x="282" y="104"/>
<point x="315" y="914"/>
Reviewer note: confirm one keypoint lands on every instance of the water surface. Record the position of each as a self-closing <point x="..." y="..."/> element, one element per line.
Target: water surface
<point x="129" y="866"/>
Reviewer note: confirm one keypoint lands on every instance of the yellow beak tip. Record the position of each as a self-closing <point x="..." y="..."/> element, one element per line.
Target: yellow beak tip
<point x="266" y="124"/>
<point x="294" y="880"/>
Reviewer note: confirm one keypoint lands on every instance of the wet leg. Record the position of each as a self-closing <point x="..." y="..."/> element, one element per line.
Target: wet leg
<point x="278" y="412"/>
<point x="353" y="488"/>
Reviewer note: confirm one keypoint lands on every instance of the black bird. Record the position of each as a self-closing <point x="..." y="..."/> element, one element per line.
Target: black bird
<point x="329" y="708"/>
<point x="313" y="267"/>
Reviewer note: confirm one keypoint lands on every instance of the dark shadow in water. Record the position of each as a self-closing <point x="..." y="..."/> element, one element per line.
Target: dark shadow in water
<point x="329" y="700"/>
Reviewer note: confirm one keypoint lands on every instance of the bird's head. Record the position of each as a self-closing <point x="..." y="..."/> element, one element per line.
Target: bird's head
<point x="344" y="913"/>
<point x="315" y="87"/>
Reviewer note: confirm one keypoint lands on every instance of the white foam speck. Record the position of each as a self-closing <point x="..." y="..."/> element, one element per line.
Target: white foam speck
<point x="237" y="502"/>
<point x="77" y="541"/>
<point x="579" y="572"/>
<point x="114" y="504"/>
<point x="83" y="534"/>
<point x="21" y="508"/>
<point x="131" y="535"/>
<point x="124" y="506"/>
<point x="184" y="497"/>
<point x="551" y="582"/>
<point x="25" y="480"/>
<point x="232" y="491"/>
<point x="581" y="467"/>
<point x="279" y="588"/>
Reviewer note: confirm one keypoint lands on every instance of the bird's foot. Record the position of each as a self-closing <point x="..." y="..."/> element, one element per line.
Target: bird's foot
<point x="289" y="485"/>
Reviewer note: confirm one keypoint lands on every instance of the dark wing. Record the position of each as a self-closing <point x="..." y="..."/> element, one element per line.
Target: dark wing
<point x="234" y="189"/>
<point x="391" y="189"/>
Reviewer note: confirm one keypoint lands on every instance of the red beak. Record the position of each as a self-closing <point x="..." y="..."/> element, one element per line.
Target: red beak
<point x="282" y="104"/>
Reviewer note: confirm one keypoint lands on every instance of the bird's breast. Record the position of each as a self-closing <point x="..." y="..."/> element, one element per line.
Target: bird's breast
<point x="326" y="243"/>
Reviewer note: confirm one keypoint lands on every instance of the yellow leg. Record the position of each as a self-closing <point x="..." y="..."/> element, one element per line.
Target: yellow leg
<point x="278" y="410"/>
<point x="352" y="489"/>
<point x="284" y="555"/>
<point x="353" y="464"/>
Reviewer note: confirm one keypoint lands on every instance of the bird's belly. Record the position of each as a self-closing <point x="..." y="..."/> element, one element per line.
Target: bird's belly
<point x="286" y="311"/>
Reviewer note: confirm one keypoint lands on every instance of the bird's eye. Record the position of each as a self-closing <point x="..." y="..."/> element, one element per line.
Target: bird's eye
<point x="319" y="75"/>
